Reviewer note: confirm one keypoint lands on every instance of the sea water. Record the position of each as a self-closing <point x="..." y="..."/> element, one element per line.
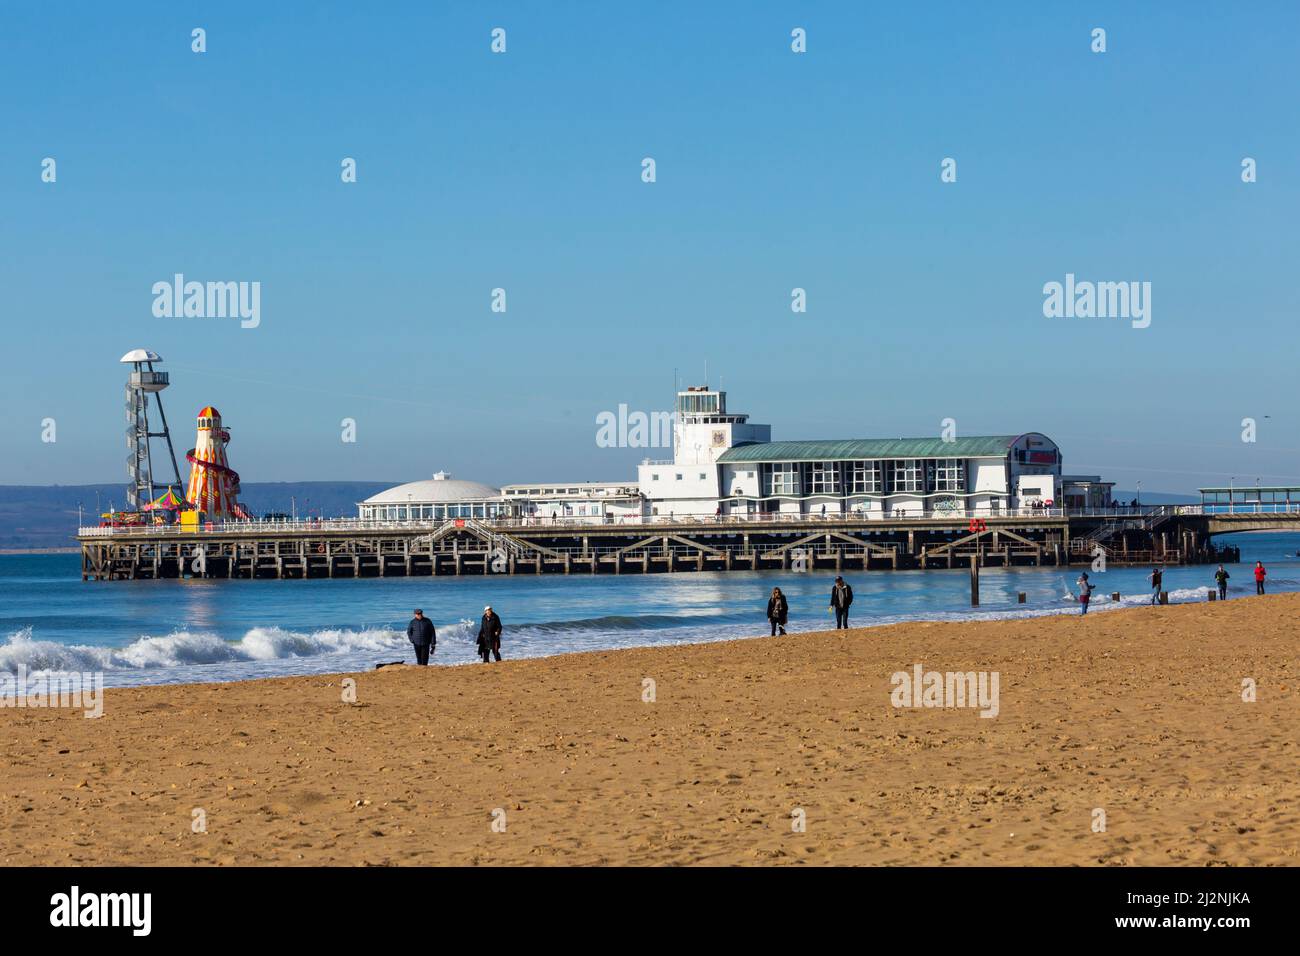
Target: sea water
<point x="174" y="631"/>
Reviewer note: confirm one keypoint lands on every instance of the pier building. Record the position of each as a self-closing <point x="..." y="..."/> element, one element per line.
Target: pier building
<point x="724" y="465"/>
<point x="433" y="499"/>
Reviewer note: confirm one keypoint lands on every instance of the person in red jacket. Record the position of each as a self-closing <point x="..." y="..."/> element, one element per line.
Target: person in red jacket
<point x="1260" y="575"/>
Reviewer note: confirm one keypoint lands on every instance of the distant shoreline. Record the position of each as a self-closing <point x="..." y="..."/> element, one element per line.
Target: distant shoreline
<point x="40" y="550"/>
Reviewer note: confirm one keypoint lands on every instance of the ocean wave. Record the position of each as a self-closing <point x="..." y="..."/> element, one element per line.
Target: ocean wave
<point x="1176" y="596"/>
<point x="182" y="648"/>
<point x="314" y="650"/>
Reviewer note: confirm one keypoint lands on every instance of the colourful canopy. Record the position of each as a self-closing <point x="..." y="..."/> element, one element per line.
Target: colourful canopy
<point x="166" y="502"/>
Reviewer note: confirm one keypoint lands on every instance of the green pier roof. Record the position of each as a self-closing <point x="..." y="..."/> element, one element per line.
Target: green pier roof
<point x="984" y="446"/>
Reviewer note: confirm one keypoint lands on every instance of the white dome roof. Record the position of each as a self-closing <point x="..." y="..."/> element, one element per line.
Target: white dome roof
<point x="140" y="355"/>
<point x="436" y="490"/>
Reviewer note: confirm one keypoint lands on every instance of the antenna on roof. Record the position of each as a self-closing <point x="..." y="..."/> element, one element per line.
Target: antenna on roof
<point x="706" y="373"/>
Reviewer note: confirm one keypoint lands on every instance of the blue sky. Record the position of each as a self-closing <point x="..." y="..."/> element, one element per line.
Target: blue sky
<point x="774" y="170"/>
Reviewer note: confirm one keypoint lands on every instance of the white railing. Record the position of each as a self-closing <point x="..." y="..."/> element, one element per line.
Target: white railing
<point x="308" y="526"/>
<point x="1252" y="508"/>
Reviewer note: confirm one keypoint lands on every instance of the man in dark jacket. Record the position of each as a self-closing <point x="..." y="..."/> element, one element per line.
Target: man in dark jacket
<point x="1221" y="579"/>
<point x="489" y="635"/>
<point x="841" y="598"/>
<point x="422" y="636"/>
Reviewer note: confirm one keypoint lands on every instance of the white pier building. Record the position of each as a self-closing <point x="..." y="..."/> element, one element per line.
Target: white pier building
<point x="723" y="465"/>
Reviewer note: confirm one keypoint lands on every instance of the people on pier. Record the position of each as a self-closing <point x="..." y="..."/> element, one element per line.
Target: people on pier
<point x="423" y="637"/>
<point x="778" y="610"/>
<point x="489" y="635"/>
<point x="1157" y="578"/>
<point x="841" y="598"/>
<point x="1260" y="575"/>
<point x="1221" y="579"/>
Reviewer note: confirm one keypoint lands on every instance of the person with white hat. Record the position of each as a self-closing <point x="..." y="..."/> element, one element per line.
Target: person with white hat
<point x="489" y="635"/>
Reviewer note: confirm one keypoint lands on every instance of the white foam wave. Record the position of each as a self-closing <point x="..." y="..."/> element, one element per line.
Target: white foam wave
<point x="182" y="648"/>
<point x="263" y="651"/>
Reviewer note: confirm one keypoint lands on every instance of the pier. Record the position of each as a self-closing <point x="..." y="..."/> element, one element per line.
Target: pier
<point x="353" y="548"/>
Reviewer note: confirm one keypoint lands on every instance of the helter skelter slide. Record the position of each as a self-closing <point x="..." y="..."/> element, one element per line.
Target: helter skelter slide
<point x="214" y="485"/>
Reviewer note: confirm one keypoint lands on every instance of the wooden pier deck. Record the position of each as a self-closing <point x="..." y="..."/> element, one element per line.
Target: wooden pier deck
<point x="348" y="548"/>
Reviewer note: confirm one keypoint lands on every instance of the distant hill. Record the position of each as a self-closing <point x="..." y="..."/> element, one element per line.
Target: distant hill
<point x="45" y="516"/>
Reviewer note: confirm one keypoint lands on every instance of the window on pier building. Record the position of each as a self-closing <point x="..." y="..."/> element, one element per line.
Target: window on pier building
<point x="697" y="404"/>
<point x="863" y="477"/>
<point x="950" y="474"/>
<point x="906" y="474"/>
<point x="781" y="478"/>
<point x="824" y="478"/>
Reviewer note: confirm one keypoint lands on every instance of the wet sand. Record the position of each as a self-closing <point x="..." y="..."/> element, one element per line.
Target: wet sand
<point x="1136" y="714"/>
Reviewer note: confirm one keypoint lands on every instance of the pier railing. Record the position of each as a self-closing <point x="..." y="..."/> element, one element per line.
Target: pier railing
<point x="895" y="518"/>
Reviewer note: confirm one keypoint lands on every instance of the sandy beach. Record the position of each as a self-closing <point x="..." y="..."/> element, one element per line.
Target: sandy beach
<point x="1137" y="715"/>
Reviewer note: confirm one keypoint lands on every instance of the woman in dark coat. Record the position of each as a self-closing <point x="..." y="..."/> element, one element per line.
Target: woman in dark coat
<point x="777" y="611"/>
<point x="489" y="635"/>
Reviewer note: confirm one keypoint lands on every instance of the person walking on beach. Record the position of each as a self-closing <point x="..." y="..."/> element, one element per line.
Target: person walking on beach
<point x="489" y="635"/>
<point x="778" y="609"/>
<point x="1221" y="579"/>
<point x="1260" y="575"/>
<point x="841" y="598"/>
<point x="1157" y="577"/>
<point x="1085" y="591"/>
<point x="422" y="636"/>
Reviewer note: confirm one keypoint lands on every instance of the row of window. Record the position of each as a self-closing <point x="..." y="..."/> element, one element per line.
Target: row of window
<point x="917" y="475"/>
<point x="1264" y="495"/>
<point x="441" y="512"/>
<point x="543" y="491"/>
<point x="418" y="512"/>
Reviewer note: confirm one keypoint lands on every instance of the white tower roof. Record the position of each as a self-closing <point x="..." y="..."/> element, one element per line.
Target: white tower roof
<point x="141" y="355"/>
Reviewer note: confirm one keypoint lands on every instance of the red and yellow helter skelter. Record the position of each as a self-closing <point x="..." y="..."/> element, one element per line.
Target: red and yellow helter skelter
<point x="214" y="485"/>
